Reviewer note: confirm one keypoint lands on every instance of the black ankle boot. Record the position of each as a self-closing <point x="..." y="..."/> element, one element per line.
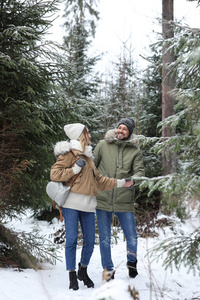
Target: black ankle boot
<point x="132" y="268"/>
<point x="73" y="282"/>
<point x="83" y="276"/>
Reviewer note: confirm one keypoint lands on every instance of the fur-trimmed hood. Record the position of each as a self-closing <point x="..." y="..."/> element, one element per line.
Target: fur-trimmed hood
<point x="65" y="146"/>
<point x="61" y="148"/>
<point x="111" y="136"/>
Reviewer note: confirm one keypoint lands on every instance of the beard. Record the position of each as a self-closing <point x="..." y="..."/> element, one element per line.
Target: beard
<point x="124" y="138"/>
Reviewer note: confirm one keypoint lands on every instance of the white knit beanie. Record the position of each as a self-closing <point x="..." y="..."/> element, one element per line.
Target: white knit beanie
<point x="73" y="131"/>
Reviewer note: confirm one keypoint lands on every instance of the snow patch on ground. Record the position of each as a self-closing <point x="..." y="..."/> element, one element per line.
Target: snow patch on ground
<point x="51" y="283"/>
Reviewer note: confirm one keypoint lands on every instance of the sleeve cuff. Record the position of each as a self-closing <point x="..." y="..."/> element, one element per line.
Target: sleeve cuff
<point x="76" y="169"/>
<point x="120" y="183"/>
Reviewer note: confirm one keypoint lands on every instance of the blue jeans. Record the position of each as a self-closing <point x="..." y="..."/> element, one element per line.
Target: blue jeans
<point x="128" y="225"/>
<point x="87" y="221"/>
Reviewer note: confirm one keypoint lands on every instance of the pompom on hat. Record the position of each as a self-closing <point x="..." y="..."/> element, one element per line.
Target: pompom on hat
<point x="73" y="131"/>
<point x="129" y="122"/>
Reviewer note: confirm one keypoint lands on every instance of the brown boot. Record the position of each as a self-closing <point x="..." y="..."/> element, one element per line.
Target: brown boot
<point x="108" y="275"/>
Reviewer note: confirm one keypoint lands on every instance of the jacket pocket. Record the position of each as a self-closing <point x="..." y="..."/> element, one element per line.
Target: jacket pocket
<point x="78" y="179"/>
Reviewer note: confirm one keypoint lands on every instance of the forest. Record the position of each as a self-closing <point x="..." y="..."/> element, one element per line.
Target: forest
<point x="45" y="85"/>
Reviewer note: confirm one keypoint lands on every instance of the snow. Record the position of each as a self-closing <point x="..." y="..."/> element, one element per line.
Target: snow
<point x="51" y="282"/>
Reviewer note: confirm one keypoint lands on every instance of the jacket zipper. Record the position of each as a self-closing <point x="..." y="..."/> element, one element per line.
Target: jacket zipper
<point x="117" y="165"/>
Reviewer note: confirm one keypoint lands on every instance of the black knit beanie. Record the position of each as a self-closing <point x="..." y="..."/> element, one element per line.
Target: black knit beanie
<point x="129" y="122"/>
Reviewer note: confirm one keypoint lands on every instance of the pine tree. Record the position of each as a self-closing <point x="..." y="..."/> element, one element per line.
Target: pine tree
<point x="151" y="112"/>
<point x="151" y="87"/>
<point x="119" y="93"/>
<point x="168" y="82"/>
<point x="30" y="117"/>
<point x="81" y="83"/>
<point x="182" y="187"/>
<point x="31" y="111"/>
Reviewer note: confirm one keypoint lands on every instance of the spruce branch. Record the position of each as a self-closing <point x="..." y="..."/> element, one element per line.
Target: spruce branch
<point x="180" y="250"/>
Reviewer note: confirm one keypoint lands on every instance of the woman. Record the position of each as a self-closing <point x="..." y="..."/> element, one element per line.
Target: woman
<point x="75" y="157"/>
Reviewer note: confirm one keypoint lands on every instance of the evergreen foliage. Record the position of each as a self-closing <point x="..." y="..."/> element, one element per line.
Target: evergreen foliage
<point x="119" y="93"/>
<point x="151" y="85"/>
<point x="151" y="112"/>
<point x="80" y="84"/>
<point x="198" y="1"/>
<point x="31" y="114"/>
<point x="180" y="187"/>
<point x="25" y="250"/>
<point x="29" y="98"/>
<point x="41" y="91"/>
<point x="181" y="250"/>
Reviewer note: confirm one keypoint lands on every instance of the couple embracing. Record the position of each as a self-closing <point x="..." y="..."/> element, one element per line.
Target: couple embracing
<point x="105" y="186"/>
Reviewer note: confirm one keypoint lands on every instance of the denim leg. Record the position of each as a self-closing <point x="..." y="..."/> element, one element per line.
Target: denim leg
<point x="71" y="217"/>
<point x="87" y="221"/>
<point x="128" y="225"/>
<point x="104" y="219"/>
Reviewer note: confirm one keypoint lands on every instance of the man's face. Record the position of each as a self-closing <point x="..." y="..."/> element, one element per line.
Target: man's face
<point x="122" y="132"/>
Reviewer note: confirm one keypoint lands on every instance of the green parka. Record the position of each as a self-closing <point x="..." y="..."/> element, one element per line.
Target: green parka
<point x="118" y="159"/>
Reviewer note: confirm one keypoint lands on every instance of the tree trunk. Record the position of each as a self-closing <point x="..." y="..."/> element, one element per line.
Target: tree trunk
<point x="168" y="159"/>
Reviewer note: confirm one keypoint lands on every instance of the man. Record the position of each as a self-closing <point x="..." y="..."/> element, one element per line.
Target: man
<point x="118" y="156"/>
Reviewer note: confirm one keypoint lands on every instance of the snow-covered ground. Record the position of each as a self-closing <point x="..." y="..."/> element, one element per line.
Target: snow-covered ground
<point x="51" y="283"/>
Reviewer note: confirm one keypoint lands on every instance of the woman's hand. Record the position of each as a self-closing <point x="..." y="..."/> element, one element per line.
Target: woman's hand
<point x="78" y="165"/>
<point x="81" y="162"/>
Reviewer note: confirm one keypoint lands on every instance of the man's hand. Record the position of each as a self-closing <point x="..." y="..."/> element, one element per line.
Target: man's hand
<point x="128" y="182"/>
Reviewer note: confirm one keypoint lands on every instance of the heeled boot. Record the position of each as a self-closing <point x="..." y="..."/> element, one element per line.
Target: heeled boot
<point x="73" y="282"/>
<point x="132" y="268"/>
<point x="83" y="276"/>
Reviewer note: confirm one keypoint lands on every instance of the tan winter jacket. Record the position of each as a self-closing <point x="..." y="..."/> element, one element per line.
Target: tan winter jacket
<point x="89" y="181"/>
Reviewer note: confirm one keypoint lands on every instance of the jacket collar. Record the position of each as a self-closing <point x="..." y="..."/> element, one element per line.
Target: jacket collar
<point x="65" y="146"/>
